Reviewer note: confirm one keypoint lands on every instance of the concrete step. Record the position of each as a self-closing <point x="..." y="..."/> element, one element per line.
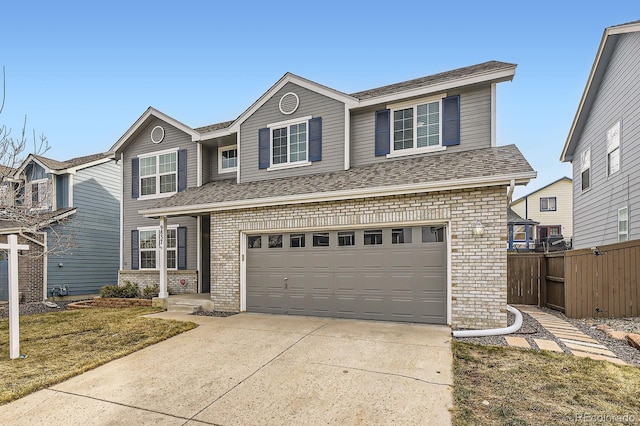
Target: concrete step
<point x="185" y="308"/>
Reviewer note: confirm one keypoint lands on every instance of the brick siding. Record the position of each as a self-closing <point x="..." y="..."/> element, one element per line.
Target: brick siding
<point x="149" y="278"/>
<point x="30" y="269"/>
<point x="478" y="264"/>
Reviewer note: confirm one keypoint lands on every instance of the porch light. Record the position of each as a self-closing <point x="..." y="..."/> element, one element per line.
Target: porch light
<point x="478" y="229"/>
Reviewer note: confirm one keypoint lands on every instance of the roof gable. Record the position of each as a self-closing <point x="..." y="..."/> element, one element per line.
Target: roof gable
<point x="555" y="182"/>
<point x="148" y="115"/>
<point x="598" y="70"/>
<point x="68" y="166"/>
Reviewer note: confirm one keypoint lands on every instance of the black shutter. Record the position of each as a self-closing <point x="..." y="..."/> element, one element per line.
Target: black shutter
<point x="182" y="247"/>
<point x="451" y="121"/>
<point x="135" y="250"/>
<point x="383" y="129"/>
<point x="264" y="149"/>
<point x="182" y="170"/>
<point x="315" y="139"/>
<point x="135" y="178"/>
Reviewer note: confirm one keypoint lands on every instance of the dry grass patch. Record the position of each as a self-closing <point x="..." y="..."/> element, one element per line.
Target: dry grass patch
<point x="525" y="387"/>
<point x="64" y="344"/>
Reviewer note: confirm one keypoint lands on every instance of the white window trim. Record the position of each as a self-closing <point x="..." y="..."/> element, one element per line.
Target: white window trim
<point x="157" y="249"/>
<point x="29" y="193"/>
<point x="613" y="143"/>
<point x="287" y="124"/>
<point x="157" y="154"/>
<point x="585" y="163"/>
<point x="222" y="149"/>
<point x="626" y="234"/>
<point x="393" y="153"/>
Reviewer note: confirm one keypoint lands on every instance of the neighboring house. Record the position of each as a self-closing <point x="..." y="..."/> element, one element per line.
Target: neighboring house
<point x="604" y="144"/>
<point x="521" y="234"/>
<point x="383" y="204"/>
<point x="551" y="206"/>
<point x="78" y="202"/>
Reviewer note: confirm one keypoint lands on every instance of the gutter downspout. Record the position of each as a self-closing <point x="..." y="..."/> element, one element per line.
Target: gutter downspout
<point x="512" y="186"/>
<point x="493" y="331"/>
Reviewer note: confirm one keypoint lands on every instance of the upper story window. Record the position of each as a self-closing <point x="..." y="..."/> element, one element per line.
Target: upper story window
<point x="227" y="159"/>
<point x="38" y="194"/>
<point x="158" y="174"/>
<point x="291" y="143"/>
<point x="548" y="204"/>
<point x="623" y="224"/>
<point x="416" y="127"/>
<point x="613" y="149"/>
<point x="585" y="169"/>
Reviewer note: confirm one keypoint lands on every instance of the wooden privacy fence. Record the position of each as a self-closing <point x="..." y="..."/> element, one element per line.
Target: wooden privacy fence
<point x="603" y="282"/>
<point x="581" y="283"/>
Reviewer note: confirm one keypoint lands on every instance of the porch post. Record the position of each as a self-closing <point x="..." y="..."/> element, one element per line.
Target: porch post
<point x="162" y="258"/>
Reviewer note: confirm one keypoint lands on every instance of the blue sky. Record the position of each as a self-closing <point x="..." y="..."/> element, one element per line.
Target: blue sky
<point x="83" y="72"/>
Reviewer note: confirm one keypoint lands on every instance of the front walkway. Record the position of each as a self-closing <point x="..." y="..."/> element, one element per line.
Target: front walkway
<point x="577" y="343"/>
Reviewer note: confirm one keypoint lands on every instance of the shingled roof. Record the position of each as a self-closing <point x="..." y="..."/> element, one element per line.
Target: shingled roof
<point x="403" y="86"/>
<point x="73" y="162"/>
<point x="479" y="164"/>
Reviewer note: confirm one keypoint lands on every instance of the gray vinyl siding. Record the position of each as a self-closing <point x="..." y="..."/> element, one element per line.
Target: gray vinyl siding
<point x="311" y="104"/>
<point x="596" y="209"/>
<point x="213" y="163"/>
<point x="142" y="144"/>
<point x="475" y="126"/>
<point x="206" y="162"/>
<point x="93" y="260"/>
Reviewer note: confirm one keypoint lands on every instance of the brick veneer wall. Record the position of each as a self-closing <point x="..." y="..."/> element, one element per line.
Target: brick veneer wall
<point x="30" y="269"/>
<point x="478" y="264"/>
<point x="149" y="278"/>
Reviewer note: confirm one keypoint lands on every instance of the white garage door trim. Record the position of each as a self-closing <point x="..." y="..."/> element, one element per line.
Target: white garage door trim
<point x="245" y="233"/>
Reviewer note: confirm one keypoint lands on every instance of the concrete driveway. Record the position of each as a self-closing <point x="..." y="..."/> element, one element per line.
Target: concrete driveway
<point x="252" y="369"/>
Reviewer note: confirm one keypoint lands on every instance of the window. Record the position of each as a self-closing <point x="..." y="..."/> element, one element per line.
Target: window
<point x="433" y="234"/>
<point x="585" y="169"/>
<point x="254" y="241"/>
<point x="623" y="224"/>
<point x="613" y="149"/>
<point x="548" y="204"/>
<point x="401" y="236"/>
<point x="373" y="237"/>
<point x="275" y="241"/>
<point x="150" y="252"/>
<point x="416" y="127"/>
<point x="159" y="174"/>
<point x="321" y="239"/>
<point x="38" y="194"/>
<point x="289" y="143"/>
<point x="296" y="240"/>
<point x="347" y="238"/>
<point x="227" y="159"/>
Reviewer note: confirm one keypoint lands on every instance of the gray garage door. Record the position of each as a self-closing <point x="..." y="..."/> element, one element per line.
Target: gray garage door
<point x="396" y="274"/>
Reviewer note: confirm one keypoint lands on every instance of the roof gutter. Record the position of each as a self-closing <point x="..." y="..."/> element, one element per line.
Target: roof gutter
<point x="517" y="179"/>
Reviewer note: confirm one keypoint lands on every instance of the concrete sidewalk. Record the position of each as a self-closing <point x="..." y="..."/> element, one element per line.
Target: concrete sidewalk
<point x="261" y="369"/>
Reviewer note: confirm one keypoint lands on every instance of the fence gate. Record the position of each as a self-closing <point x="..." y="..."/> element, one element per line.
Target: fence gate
<point x="523" y="275"/>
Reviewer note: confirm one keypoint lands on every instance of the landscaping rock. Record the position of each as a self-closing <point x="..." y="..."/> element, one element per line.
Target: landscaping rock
<point x="634" y="340"/>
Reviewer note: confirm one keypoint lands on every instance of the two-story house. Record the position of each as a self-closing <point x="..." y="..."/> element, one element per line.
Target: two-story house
<point x="551" y="207"/>
<point x="603" y="144"/>
<point x="68" y="212"/>
<point x="387" y="204"/>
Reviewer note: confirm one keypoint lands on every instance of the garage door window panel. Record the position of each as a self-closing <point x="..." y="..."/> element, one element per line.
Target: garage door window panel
<point x="372" y="237"/>
<point x="321" y="239"/>
<point x="275" y="241"/>
<point x="401" y="236"/>
<point x="296" y="240"/>
<point x="254" y="241"/>
<point x="433" y="234"/>
<point x="346" y="239"/>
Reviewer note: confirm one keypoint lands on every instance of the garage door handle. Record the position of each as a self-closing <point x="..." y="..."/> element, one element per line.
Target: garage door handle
<point x="285" y="283"/>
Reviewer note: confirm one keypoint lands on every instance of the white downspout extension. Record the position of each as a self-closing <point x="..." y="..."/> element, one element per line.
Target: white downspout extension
<point x="493" y="331"/>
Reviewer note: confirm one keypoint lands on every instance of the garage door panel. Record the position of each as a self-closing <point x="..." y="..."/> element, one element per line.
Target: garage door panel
<point x="400" y="282"/>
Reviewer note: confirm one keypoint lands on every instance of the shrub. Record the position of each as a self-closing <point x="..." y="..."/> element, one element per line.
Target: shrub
<point x="127" y="290"/>
<point x="149" y="292"/>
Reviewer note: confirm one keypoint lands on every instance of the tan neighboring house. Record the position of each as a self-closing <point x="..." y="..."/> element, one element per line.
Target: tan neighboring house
<point x="551" y="206"/>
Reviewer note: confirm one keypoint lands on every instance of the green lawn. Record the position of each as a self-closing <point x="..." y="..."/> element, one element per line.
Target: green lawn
<point x="507" y="386"/>
<point x="64" y="344"/>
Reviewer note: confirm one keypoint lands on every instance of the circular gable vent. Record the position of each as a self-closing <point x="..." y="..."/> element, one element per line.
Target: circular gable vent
<point x="157" y="134"/>
<point x="289" y="103"/>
